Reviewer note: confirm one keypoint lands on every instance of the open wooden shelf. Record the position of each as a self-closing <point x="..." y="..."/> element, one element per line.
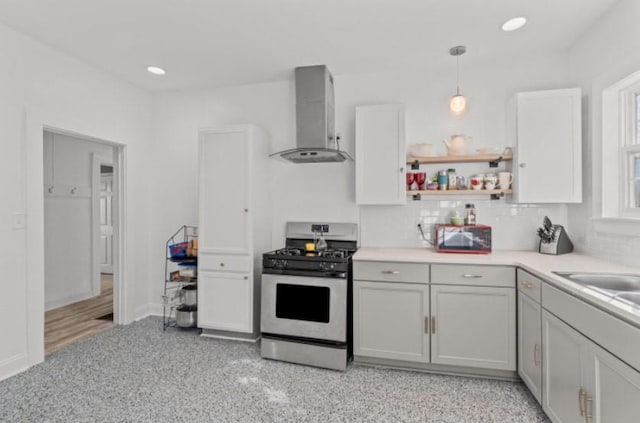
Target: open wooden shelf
<point x="475" y="158"/>
<point x="461" y="192"/>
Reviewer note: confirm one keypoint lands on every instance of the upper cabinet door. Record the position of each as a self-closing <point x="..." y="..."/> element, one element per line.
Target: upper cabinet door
<point x="224" y="191"/>
<point x="380" y="155"/>
<point x="548" y="153"/>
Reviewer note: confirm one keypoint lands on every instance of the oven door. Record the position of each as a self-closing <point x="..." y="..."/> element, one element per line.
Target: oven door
<point x="305" y="307"/>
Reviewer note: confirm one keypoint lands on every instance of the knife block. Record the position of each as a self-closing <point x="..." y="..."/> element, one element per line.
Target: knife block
<point x="560" y="244"/>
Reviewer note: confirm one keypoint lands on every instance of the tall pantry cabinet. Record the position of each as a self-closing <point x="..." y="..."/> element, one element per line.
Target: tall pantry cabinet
<point x="234" y="229"/>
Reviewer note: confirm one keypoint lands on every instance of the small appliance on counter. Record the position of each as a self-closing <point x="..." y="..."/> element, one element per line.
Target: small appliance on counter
<point x="475" y="239"/>
<point x="553" y="239"/>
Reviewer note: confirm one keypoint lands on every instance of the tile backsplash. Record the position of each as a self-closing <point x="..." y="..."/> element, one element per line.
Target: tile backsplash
<point x="513" y="225"/>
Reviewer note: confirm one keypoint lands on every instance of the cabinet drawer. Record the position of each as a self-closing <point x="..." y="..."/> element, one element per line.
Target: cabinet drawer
<point x="473" y="275"/>
<point x="224" y="262"/>
<point x="529" y="285"/>
<point x="389" y="271"/>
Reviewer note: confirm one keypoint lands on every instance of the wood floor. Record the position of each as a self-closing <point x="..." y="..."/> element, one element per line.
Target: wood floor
<point x="65" y="325"/>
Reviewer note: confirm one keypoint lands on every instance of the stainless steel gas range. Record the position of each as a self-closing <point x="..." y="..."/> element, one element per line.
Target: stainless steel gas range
<point x="306" y="295"/>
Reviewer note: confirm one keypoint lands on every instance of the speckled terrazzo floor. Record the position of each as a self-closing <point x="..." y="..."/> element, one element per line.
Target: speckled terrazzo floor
<point x="137" y="373"/>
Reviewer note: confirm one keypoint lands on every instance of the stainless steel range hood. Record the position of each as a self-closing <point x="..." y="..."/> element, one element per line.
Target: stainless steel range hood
<point x="315" y="119"/>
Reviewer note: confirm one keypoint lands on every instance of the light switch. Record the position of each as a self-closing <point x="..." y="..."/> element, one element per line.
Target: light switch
<point x="19" y="221"/>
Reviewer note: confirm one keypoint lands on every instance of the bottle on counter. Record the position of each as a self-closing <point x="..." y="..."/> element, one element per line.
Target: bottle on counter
<point x="451" y="177"/>
<point x="469" y="214"/>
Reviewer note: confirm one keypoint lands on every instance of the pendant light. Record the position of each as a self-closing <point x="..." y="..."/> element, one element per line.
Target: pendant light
<point x="458" y="102"/>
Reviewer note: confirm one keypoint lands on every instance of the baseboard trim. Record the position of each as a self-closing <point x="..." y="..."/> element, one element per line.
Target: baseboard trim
<point x="61" y="302"/>
<point x="13" y="365"/>
<point x="146" y="310"/>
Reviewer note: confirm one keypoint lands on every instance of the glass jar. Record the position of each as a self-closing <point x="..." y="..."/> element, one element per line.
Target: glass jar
<point x="451" y="176"/>
<point x="469" y="214"/>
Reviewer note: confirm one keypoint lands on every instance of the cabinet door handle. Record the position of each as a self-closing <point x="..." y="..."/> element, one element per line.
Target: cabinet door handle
<point x="471" y="275"/>
<point x="581" y="401"/>
<point x="401" y="169"/>
<point x="526" y="285"/>
<point x="246" y="210"/>
<point x="426" y="324"/>
<point x="433" y="324"/>
<point x="537" y="352"/>
<point x="588" y="406"/>
<point x="523" y="165"/>
<point x="221" y="264"/>
<point x="246" y="278"/>
<point x="390" y="272"/>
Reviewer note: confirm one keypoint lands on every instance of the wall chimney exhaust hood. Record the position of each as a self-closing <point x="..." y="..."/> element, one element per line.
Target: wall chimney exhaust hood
<point x="315" y="119"/>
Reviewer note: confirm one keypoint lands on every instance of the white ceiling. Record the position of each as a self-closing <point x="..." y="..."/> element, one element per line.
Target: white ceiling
<point x="226" y="42"/>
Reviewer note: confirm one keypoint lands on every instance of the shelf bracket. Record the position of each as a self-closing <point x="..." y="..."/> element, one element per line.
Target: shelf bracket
<point x="494" y="163"/>
<point x="415" y="165"/>
<point x="417" y="197"/>
<point x="497" y="196"/>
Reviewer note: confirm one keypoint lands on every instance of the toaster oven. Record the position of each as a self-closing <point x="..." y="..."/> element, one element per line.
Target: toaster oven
<point x="463" y="239"/>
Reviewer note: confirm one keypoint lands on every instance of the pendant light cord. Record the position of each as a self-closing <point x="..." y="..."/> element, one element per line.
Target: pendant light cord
<point x="458" y="75"/>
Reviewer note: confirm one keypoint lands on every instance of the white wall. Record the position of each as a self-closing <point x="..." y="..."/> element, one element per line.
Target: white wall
<point x="327" y="191"/>
<point x="608" y="52"/>
<point x="70" y="268"/>
<point x="42" y="86"/>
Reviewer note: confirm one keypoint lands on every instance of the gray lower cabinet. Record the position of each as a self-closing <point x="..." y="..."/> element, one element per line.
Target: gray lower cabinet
<point x="530" y="332"/>
<point x="583" y="382"/>
<point x="389" y="320"/>
<point x="530" y="344"/>
<point x="473" y="326"/>
<point x="468" y="319"/>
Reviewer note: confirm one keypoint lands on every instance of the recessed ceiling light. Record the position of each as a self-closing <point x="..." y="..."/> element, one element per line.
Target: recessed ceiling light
<point x="156" y="70"/>
<point x="514" y="23"/>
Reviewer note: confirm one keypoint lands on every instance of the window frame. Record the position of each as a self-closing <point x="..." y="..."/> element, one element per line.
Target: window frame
<point x="629" y="146"/>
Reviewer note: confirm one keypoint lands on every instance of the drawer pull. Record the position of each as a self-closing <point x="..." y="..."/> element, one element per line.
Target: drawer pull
<point x="390" y="272"/>
<point x="221" y="264"/>
<point x="526" y="285"/>
<point x="471" y="275"/>
<point x="246" y="278"/>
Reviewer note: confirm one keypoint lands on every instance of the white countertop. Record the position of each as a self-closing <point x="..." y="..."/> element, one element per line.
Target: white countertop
<point x="540" y="265"/>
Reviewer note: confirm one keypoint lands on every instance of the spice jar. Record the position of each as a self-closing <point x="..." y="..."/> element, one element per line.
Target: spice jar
<point x="451" y="176"/>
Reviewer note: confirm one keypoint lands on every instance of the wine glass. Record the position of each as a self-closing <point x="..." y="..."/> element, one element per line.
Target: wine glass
<point x="420" y="178"/>
<point x="410" y="179"/>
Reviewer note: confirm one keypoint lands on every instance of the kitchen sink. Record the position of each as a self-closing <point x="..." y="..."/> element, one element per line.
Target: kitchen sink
<point x="619" y="286"/>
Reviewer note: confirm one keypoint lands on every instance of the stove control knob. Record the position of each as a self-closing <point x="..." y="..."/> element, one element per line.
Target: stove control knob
<point x="321" y="265"/>
<point x="284" y="263"/>
<point x="332" y="266"/>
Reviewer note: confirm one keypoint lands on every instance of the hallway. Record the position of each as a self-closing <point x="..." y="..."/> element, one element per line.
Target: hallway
<point x="80" y="320"/>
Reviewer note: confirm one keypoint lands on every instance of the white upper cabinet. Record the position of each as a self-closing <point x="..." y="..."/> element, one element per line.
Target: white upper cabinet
<point x="380" y="155"/>
<point x="547" y="163"/>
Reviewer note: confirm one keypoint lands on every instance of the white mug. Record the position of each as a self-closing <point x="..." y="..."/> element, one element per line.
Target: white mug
<point x="505" y="179"/>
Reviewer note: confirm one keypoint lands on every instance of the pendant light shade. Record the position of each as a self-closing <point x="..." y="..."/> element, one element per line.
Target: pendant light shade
<point x="458" y="103"/>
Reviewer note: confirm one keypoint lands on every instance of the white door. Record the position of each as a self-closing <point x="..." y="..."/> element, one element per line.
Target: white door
<point x="106" y="223"/>
<point x="563" y="358"/>
<point x="224" y="192"/>
<point x="391" y="320"/>
<point x="473" y="326"/>
<point x="529" y="344"/>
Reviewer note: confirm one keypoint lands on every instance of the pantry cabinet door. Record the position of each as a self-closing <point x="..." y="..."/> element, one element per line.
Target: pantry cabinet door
<point x="224" y="301"/>
<point x="224" y="191"/>
<point x="380" y="155"/>
<point x="473" y="326"/>
<point x="390" y="320"/>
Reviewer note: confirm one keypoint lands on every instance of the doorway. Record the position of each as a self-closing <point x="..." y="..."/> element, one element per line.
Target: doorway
<point x="79" y="197"/>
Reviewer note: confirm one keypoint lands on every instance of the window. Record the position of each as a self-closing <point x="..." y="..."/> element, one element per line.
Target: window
<point x="619" y="183"/>
<point x="630" y="151"/>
